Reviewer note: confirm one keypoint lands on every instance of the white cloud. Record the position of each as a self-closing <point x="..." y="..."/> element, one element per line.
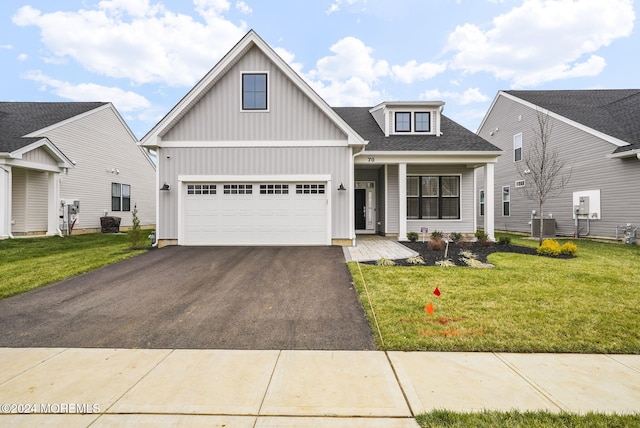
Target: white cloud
<point x="471" y="95"/>
<point x="6" y="47"/>
<point x="23" y="57"/>
<point x="125" y="101"/>
<point x="243" y="7"/>
<point x="348" y="76"/>
<point x="289" y="58"/>
<point x="337" y="4"/>
<point x="542" y="41"/>
<point x="412" y="71"/>
<point x="137" y="40"/>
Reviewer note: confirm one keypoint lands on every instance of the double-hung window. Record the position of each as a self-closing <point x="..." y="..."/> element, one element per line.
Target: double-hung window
<point x="403" y="122"/>
<point x="254" y="91"/>
<point x="120" y="197"/>
<point x="517" y="147"/>
<point x="482" y="202"/>
<point x="422" y="121"/>
<point x="433" y="197"/>
<point x="506" y="201"/>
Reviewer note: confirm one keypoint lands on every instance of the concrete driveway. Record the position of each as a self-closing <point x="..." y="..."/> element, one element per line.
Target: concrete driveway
<point x="197" y="298"/>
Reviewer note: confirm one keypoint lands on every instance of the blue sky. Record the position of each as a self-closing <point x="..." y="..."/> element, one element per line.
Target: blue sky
<point x="145" y="55"/>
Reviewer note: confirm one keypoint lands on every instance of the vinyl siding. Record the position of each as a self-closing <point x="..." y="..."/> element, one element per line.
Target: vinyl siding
<point x="40" y="156"/>
<point x="29" y="203"/>
<point x="332" y="161"/>
<point x="392" y="211"/>
<point x="591" y="170"/>
<point x="98" y="143"/>
<point x="291" y="116"/>
<point x="381" y="201"/>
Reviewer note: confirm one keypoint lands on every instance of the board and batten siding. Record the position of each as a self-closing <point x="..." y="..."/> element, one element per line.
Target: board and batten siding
<point x="301" y="161"/>
<point x="392" y="213"/>
<point x="98" y="143"/>
<point x="591" y="169"/>
<point x="39" y="156"/>
<point x="291" y="115"/>
<point x="466" y="222"/>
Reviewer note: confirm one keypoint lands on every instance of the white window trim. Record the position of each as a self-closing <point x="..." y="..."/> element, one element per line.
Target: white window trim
<point x="503" y="201"/>
<point x="520" y="183"/>
<point x="242" y="73"/>
<point x="517" y="145"/>
<point x="482" y="202"/>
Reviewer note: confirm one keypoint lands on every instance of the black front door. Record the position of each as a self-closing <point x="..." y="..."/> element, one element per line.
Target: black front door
<point x="360" y="209"/>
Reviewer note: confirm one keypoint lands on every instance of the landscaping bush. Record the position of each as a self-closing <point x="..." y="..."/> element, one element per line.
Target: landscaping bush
<point x="549" y="248"/>
<point x="455" y="236"/>
<point x="436" y="244"/>
<point x="385" y="262"/>
<point x="504" y="240"/>
<point x="412" y="236"/>
<point x="568" y="249"/>
<point x="437" y="235"/>
<point x="481" y="236"/>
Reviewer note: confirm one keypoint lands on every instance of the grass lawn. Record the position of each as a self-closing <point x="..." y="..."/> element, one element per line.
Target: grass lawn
<point x="26" y="264"/>
<point x="588" y="304"/>
<point x="444" y="418"/>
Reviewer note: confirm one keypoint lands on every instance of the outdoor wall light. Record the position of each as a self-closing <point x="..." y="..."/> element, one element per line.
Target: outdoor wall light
<point x="341" y="187"/>
<point x="165" y="186"/>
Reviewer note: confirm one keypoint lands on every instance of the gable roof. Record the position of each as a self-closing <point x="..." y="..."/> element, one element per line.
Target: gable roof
<point x="18" y="119"/>
<point x="613" y="112"/>
<point x="250" y="40"/>
<point x="453" y="138"/>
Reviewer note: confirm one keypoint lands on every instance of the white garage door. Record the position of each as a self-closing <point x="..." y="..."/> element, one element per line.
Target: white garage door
<point x="255" y="214"/>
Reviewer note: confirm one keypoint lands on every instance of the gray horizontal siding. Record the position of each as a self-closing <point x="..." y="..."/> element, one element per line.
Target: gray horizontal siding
<point x="332" y="161"/>
<point x="592" y="169"/>
<point x="218" y="117"/>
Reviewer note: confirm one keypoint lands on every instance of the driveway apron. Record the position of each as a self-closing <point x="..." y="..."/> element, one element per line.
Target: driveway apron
<point x="198" y="298"/>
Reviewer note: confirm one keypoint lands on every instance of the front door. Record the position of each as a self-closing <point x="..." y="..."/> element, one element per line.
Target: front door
<point x="361" y="209"/>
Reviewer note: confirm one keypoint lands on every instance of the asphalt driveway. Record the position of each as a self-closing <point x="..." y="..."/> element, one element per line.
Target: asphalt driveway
<point x="197" y="298"/>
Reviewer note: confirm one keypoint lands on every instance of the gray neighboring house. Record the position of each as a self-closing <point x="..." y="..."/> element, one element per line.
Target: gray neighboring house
<point x="52" y="154"/>
<point x="253" y="156"/>
<point x="596" y="131"/>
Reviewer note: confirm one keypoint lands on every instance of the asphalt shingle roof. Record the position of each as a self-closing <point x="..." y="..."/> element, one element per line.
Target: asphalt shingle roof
<point x="454" y="137"/>
<point x="22" y="118"/>
<point x="615" y="112"/>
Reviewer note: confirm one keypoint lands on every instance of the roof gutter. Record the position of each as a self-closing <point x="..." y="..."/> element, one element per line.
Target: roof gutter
<point x="627" y="154"/>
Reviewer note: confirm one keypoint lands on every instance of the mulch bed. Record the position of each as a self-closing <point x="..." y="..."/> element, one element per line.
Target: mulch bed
<point x="481" y="252"/>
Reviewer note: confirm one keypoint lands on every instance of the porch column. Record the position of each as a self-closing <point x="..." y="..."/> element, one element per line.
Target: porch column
<point x="489" y="208"/>
<point x="53" y="205"/>
<point x="5" y="201"/>
<point x="402" y="201"/>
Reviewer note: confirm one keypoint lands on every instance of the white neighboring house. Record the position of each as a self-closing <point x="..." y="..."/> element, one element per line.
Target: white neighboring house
<point x="51" y="153"/>
<point x="253" y="156"/>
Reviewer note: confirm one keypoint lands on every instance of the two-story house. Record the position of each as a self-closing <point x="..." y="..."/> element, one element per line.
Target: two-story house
<point x="253" y="156"/>
<point x="595" y="132"/>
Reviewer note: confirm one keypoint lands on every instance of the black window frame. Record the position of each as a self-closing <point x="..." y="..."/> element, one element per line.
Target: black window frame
<point x="481" y="198"/>
<point x="408" y="113"/>
<point x="517" y="151"/>
<point x="441" y="199"/>
<point x="415" y="121"/>
<point x="119" y="201"/>
<point x="254" y="93"/>
<point x="506" y="202"/>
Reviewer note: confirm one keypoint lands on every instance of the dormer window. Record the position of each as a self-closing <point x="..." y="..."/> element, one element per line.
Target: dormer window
<point x="403" y="122"/>
<point x="423" y="121"/>
<point x="254" y="91"/>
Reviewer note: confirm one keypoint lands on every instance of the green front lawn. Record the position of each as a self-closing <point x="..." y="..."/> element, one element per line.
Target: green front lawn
<point x="30" y="263"/>
<point x="515" y="419"/>
<point x="588" y="304"/>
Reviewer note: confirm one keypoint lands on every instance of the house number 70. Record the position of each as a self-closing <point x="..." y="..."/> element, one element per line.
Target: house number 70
<point x="372" y="159"/>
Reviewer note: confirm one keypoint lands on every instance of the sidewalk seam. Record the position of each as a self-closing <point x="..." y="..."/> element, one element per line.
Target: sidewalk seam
<point x="266" y="390"/>
<point x="404" y="394"/>
<point x="534" y="385"/>
<point x="62" y="350"/>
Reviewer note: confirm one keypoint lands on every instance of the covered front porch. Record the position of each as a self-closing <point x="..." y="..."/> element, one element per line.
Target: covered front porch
<point x="416" y="193"/>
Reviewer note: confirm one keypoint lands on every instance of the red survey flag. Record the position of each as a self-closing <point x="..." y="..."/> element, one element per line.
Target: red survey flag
<point x="436" y="292"/>
<point x="429" y="308"/>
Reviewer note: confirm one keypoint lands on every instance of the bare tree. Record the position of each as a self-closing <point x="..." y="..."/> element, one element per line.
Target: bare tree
<point x="545" y="173"/>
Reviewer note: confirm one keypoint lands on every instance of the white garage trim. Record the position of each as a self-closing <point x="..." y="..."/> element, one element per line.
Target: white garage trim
<point x="184" y="180"/>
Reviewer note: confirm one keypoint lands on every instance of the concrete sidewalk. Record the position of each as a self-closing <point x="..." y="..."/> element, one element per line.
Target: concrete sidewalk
<point x="141" y="387"/>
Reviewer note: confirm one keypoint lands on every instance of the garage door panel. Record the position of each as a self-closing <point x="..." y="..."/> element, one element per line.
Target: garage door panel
<point x="255" y="219"/>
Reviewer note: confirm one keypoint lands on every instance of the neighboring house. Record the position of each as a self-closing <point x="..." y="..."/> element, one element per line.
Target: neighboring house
<point x="597" y="133"/>
<point x="253" y="156"/>
<point x="57" y="153"/>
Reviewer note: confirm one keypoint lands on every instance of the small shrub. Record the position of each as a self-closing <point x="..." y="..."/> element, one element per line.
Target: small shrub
<point x="385" y="262"/>
<point x="549" y="248"/>
<point x="480" y="235"/>
<point x="467" y="254"/>
<point x="436" y="244"/>
<point x="445" y="263"/>
<point x="455" y="237"/>
<point x="134" y="235"/>
<point x="417" y="260"/>
<point x="412" y="236"/>
<point x="436" y="234"/>
<point x="504" y="240"/>
<point x="568" y="249"/>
